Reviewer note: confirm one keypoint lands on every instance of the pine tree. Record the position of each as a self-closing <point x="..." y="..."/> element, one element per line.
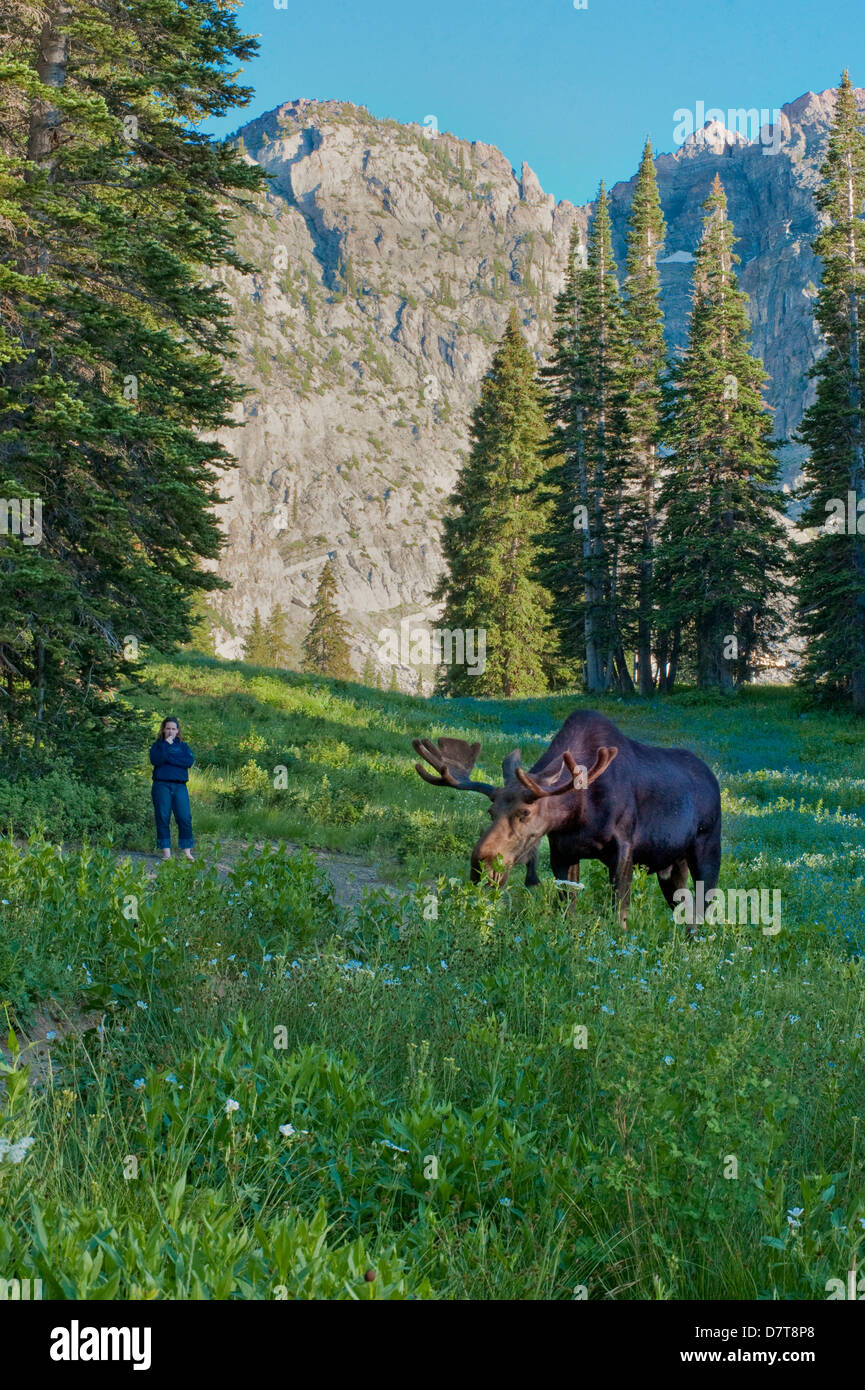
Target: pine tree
<point x="370" y="675"/>
<point x="326" y="645"/>
<point x="644" y="324"/>
<point x="488" y="539"/>
<point x="255" y="648"/>
<point x="585" y="546"/>
<point x="832" y="575"/>
<point x="276" y="639"/>
<point x="721" y="558"/>
<point x="112" y="344"/>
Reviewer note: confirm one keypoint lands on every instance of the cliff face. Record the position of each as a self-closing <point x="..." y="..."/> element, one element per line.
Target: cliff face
<point x="389" y="262"/>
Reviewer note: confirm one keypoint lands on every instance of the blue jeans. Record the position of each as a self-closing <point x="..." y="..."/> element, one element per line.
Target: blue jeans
<point x="168" y="797"/>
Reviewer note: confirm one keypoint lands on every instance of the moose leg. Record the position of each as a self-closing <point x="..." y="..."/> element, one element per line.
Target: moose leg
<point x="704" y="861"/>
<point x="532" y="879"/>
<point x="672" y="879"/>
<point x="621" y="873"/>
<point x="704" y="858"/>
<point x="570" y="873"/>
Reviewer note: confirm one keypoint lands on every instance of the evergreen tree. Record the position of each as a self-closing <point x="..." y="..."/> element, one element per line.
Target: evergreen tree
<point x="370" y="675"/>
<point x="721" y="558"/>
<point x="112" y="346"/>
<point x="488" y="541"/>
<point x="585" y="548"/>
<point x="276" y="639"/>
<point x="832" y="576"/>
<point x="255" y="648"/>
<point x="644" y="323"/>
<point x="325" y="647"/>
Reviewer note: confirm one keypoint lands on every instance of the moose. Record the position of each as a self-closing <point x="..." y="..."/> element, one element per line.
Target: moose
<point x="595" y="794"/>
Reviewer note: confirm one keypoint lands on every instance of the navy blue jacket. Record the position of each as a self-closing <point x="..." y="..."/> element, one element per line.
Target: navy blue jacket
<point x="171" y="761"/>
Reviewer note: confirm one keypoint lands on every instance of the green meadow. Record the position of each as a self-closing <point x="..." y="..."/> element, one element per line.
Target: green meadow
<point x="437" y="1091"/>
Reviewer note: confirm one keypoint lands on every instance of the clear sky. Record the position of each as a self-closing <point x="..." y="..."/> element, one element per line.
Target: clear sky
<point x="572" y="92"/>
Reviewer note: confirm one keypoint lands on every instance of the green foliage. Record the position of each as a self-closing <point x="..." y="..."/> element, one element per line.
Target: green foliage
<point x="488" y="540"/>
<point x="644" y="323"/>
<point x="831" y="562"/>
<point x="326" y="645"/>
<point x="113" y="343"/>
<point x="721" y="558"/>
<point x="585" y="548"/>
<point x="278" y="1099"/>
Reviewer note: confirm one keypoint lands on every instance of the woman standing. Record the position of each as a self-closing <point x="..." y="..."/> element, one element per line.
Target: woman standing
<point x="171" y="759"/>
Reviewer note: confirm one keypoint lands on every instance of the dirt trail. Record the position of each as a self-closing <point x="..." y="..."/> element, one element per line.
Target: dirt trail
<point x="350" y="875"/>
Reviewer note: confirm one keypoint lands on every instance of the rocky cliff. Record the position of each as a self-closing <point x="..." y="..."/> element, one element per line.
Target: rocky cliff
<point x="389" y="258"/>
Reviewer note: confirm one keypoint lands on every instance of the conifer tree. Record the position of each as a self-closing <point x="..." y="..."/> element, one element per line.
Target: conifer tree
<point x="326" y="645"/>
<point x="112" y="345"/>
<point x="644" y="323"/>
<point x="255" y="647"/>
<point x="832" y="573"/>
<point x="592" y="509"/>
<point x="721" y="558"/>
<point x="489" y="538"/>
<point x="276" y="638"/>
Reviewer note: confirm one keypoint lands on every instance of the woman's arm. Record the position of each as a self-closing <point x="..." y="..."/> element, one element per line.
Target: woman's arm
<point x="180" y="754"/>
<point x="157" y="752"/>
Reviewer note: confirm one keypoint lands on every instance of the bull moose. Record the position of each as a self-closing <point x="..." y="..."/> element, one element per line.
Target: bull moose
<point x="595" y="794"/>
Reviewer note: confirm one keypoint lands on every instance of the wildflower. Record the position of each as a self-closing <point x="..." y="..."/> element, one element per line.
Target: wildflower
<point x="395" y="1147"/>
<point x="668" y="1060"/>
<point x="698" y="987"/>
<point x="231" y="1105"/>
<point x="287" y="1130"/>
<point x="505" y="1202"/>
<point x="51" y="1035"/>
<point x="16" y="1151"/>
<point x="268" y="956"/>
<point x="139" y="1083"/>
<point x="444" y="964"/>
<point x="169" y="1076"/>
<point x="605" y="1010"/>
<point x="140" y="1004"/>
<point x="793" y="1217"/>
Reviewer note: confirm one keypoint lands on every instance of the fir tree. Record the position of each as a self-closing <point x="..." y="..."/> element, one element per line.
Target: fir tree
<point x="585" y="547"/>
<point x="644" y="323"/>
<point x="276" y="639"/>
<point x="326" y="645"/>
<point x="721" y="557"/>
<point x="832" y="576"/>
<point x="488" y="541"/>
<point x="370" y="675"/>
<point x="112" y="344"/>
<point x="255" y="648"/>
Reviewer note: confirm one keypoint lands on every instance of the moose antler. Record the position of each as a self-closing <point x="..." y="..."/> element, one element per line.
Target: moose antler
<point x="577" y="777"/>
<point x="453" y="759"/>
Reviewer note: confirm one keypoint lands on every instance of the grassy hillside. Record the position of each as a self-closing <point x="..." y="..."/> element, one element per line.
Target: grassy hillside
<point x="257" y="1094"/>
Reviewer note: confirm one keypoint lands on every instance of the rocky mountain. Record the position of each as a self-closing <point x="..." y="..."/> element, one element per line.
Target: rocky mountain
<point x="389" y="256"/>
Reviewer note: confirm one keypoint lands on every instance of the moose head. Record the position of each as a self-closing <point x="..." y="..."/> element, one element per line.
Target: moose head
<point x="524" y="810"/>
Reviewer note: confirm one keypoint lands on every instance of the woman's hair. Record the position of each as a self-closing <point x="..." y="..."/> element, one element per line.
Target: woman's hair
<point x="169" y="719"/>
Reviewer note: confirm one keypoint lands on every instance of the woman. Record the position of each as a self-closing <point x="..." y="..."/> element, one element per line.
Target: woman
<point x="171" y="759"/>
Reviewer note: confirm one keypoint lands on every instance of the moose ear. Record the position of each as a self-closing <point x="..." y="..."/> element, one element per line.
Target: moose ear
<point x="510" y="763"/>
<point x="602" y="762"/>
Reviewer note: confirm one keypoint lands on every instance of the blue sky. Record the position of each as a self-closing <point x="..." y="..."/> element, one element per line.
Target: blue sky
<point x="572" y="92"/>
